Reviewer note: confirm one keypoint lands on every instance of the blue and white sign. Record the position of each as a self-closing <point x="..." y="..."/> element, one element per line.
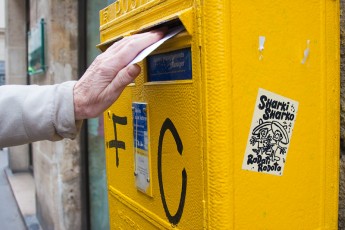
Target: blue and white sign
<point x="141" y="153"/>
<point x="140" y="125"/>
<point x="170" y="66"/>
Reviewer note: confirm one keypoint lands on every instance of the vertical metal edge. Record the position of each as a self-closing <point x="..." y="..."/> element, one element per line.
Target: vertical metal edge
<point x="332" y="113"/>
<point x="43" y="45"/>
<point x="84" y="167"/>
<point x="219" y="210"/>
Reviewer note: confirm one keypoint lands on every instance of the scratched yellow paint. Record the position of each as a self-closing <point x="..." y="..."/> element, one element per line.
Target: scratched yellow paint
<point x="202" y="185"/>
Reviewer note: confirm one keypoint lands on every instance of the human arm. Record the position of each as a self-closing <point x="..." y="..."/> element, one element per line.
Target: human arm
<point x="32" y="113"/>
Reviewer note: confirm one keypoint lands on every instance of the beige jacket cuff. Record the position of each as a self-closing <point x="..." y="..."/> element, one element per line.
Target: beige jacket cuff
<point x="35" y="113"/>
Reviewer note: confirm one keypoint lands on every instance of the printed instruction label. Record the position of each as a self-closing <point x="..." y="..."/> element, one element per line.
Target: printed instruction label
<point x="141" y="154"/>
<point x="270" y="133"/>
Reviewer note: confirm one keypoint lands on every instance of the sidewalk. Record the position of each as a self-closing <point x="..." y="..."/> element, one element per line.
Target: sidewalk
<point x="10" y="217"/>
<point x="17" y="198"/>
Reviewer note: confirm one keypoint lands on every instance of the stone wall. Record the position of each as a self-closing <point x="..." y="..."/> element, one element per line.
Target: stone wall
<point x="15" y="68"/>
<point x="15" y="42"/>
<point x="56" y="164"/>
<point x="2" y="44"/>
<point x="342" y="120"/>
<point x="2" y="30"/>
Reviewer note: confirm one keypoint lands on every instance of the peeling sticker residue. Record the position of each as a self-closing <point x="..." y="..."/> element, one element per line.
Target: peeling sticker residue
<point x="261" y="46"/>
<point x="306" y="52"/>
<point x="270" y="133"/>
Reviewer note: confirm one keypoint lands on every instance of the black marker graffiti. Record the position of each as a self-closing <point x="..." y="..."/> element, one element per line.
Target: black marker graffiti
<point x="270" y="138"/>
<point x="275" y="109"/>
<point x="173" y="219"/>
<point x="116" y="143"/>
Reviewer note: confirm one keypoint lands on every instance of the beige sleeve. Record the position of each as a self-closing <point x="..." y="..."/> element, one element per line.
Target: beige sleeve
<point x="31" y="113"/>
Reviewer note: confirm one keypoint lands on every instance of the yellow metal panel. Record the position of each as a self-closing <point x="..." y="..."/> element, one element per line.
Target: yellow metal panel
<point x="290" y="29"/>
<point x="118" y="19"/>
<point x="255" y="200"/>
<point x="199" y="128"/>
<point x="176" y="156"/>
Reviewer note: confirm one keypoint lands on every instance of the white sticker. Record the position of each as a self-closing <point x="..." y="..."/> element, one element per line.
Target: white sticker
<point x="262" y="40"/>
<point x="142" y="172"/>
<point x="261" y="43"/>
<point x="270" y="133"/>
<point x="306" y="53"/>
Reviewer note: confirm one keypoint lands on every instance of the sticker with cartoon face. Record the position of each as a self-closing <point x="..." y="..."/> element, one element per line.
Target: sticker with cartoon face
<point x="270" y="133"/>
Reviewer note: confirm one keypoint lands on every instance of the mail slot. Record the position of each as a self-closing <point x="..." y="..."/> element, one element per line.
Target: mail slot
<point x="233" y="123"/>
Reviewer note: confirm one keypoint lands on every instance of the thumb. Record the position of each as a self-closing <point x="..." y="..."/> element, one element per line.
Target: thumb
<point x="127" y="75"/>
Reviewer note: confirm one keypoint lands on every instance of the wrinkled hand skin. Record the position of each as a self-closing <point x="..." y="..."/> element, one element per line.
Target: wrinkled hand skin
<point x="108" y="75"/>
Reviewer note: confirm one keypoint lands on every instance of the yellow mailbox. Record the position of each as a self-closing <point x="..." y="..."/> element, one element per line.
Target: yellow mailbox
<point x="233" y="123"/>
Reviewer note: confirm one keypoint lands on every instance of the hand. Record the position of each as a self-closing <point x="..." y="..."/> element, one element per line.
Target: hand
<point x="108" y="75"/>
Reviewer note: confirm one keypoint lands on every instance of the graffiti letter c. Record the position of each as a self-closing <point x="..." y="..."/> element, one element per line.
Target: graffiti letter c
<point x="177" y="217"/>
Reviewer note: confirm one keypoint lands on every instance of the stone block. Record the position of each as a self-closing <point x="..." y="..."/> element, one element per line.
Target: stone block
<point x="15" y="80"/>
<point x="45" y="185"/>
<point x="18" y="158"/>
<point x="2" y="47"/>
<point x="16" y="62"/>
<point x="46" y="148"/>
<point x="15" y="22"/>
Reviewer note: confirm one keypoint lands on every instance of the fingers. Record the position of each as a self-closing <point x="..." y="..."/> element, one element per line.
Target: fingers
<point x="90" y="101"/>
<point x="109" y="74"/>
<point x="120" y="44"/>
<point x="126" y="76"/>
<point x="129" y="47"/>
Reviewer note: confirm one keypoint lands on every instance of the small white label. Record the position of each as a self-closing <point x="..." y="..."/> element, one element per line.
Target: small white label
<point x="142" y="171"/>
<point x="270" y="133"/>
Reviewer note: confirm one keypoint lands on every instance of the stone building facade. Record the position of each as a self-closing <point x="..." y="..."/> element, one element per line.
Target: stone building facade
<point x="2" y="42"/>
<point x="55" y="165"/>
<point x="58" y="166"/>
